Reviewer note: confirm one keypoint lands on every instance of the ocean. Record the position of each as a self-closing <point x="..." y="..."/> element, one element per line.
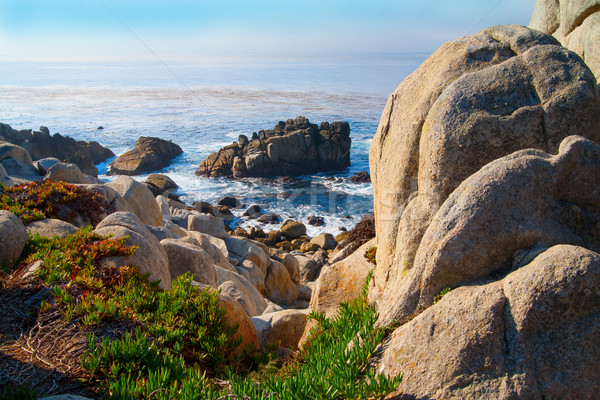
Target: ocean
<point x="206" y="103"/>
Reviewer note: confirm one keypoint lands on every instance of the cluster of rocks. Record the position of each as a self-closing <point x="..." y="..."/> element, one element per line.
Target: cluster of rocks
<point x="294" y="147"/>
<point x="486" y="179"/>
<point x="40" y="145"/>
<point x="266" y="290"/>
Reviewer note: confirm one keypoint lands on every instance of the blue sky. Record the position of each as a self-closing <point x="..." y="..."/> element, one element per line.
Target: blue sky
<point x="113" y="28"/>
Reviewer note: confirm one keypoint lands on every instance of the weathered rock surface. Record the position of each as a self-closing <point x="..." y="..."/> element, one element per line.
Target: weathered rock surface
<point x="150" y="256"/>
<point x="474" y="100"/>
<point x="242" y="291"/>
<point x="281" y="328"/>
<point x="295" y="147"/>
<point x="51" y="227"/>
<point x="160" y="183"/>
<point x="292" y="229"/>
<point x="279" y="286"/>
<point x="186" y="257"/>
<point x="342" y="281"/>
<point x="235" y="315"/>
<point x="69" y="173"/>
<point x="532" y="335"/>
<point x="140" y="199"/>
<point x="575" y="23"/>
<point x="324" y="241"/>
<point x="148" y="154"/>
<point x="13" y="237"/>
<point x="522" y="201"/>
<point x="208" y="224"/>
<point x="39" y="144"/>
<point x="17" y="162"/>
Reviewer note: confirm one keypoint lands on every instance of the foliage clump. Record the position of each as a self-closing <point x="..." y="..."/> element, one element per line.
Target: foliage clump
<point x="371" y="254"/>
<point x="53" y="199"/>
<point x="360" y="234"/>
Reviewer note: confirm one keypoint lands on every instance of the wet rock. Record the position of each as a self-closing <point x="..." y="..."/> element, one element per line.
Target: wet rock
<point x="292" y="229"/>
<point x="361" y="177"/>
<point x="316" y="221"/>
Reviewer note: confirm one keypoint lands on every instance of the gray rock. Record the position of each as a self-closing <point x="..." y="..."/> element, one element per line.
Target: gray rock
<point x="69" y="173"/>
<point x="531" y="335"/>
<point x="13" y="237"/>
<point x="473" y="101"/>
<point x="575" y="23"/>
<point x="186" y="257"/>
<point x="150" y="256"/>
<point x="51" y="227"/>
<point x="208" y="224"/>
<point x="525" y="200"/>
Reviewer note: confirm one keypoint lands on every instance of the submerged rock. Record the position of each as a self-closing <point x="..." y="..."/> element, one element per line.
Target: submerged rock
<point x="295" y="147"/>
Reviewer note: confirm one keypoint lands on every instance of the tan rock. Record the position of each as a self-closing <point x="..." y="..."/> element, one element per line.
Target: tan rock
<point x="307" y="267"/>
<point x="308" y="247"/>
<point x="242" y="291"/>
<point x="236" y="316"/>
<point x="148" y="154"/>
<point x="140" y="199"/>
<point x="292" y="229"/>
<point x="69" y="173"/>
<point x="342" y="281"/>
<point x="186" y="257"/>
<point x="474" y="100"/>
<point x="253" y="273"/>
<point x="150" y="256"/>
<point x="282" y="328"/>
<point x="324" y="241"/>
<point x="279" y="286"/>
<point x="208" y="224"/>
<point x="248" y="250"/>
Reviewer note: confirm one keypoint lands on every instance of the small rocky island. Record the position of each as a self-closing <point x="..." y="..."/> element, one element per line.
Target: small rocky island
<point x="294" y="147"/>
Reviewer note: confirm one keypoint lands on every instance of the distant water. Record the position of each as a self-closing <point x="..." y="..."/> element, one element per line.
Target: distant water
<point x="203" y="105"/>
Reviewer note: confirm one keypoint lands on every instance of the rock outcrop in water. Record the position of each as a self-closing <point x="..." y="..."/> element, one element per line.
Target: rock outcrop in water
<point x="148" y="154"/>
<point x="292" y="148"/>
<point x="575" y="23"/>
<point x="40" y="144"/>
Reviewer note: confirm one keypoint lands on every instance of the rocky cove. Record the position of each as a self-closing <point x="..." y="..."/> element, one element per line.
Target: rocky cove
<point x="485" y="264"/>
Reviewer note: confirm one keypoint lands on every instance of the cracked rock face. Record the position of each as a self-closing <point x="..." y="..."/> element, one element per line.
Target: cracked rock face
<point x="473" y="101"/>
<point x="575" y="23"/>
<point x="295" y="147"/>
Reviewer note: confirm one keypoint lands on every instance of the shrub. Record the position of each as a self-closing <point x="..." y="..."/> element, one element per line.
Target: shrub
<point x="360" y="234"/>
<point x="53" y="199"/>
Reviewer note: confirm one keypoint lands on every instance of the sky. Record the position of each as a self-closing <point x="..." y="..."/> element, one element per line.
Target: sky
<point x="120" y="29"/>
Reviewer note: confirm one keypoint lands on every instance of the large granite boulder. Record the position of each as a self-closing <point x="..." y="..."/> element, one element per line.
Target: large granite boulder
<point x="13" y="237"/>
<point x="150" y="256"/>
<point x="69" y="173"/>
<point x="187" y="257"/>
<point x="242" y="291"/>
<point x="533" y="335"/>
<point x="139" y="198"/>
<point x="519" y="202"/>
<point x="235" y="315"/>
<point x="295" y="147"/>
<point x="148" y="154"/>
<point x="575" y="23"/>
<point x="50" y="228"/>
<point x="474" y="100"/>
<point x="40" y="144"/>
<point x="281" y="328"/>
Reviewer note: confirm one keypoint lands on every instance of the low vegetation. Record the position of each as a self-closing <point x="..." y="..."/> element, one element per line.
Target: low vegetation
<point x="49" y="199"/>
<point x="108" y="332"/>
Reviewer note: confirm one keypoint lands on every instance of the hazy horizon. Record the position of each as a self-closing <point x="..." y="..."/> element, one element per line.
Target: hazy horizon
<point x="135" y="30"/>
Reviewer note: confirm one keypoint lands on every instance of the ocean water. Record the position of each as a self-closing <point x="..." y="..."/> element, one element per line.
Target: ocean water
<point x="204" y="104"/>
